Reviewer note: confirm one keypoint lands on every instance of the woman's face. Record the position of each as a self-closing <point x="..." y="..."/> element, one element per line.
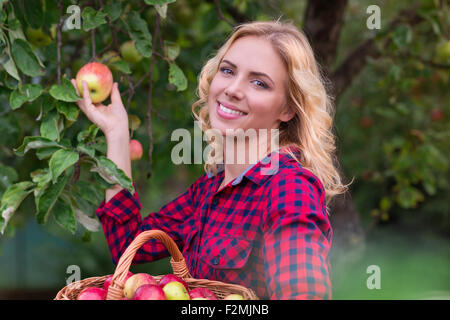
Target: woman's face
<point x="248" y="90"/>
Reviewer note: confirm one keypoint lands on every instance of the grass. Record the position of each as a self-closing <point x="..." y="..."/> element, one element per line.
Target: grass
<point x="412" y="266"/>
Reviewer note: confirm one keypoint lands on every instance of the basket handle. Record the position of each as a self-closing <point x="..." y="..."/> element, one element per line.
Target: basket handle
<point x="115" y="290"/>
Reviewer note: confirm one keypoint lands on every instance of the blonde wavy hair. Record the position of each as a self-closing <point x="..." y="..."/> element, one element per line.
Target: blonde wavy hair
<point x="310" y="130"/>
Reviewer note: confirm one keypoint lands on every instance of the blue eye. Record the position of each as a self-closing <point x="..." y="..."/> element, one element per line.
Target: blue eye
<point x="262" y="84"/>
<point x="223" y="69"/>
<point x="228" y="71"/>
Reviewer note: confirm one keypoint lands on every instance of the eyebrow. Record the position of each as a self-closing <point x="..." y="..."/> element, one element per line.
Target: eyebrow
<point x="255" y="73"/>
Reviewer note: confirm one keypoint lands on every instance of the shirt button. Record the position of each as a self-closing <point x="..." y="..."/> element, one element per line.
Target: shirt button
<point x="215" y="261"/>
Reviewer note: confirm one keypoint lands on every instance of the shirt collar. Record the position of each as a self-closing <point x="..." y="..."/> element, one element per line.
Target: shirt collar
<point x="263" y="169"/>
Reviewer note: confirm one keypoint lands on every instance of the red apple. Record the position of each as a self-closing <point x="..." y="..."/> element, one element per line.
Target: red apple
<point x="149" y="292"/>
<point x="175" y="290"/>
<point x="107" y="282"/>
<point x="135" y="150"/>
<point x="366" y="122"/>
<point x="135" y="281"/>
<point x="437" y="114"/>
<point x="99" y="80"/>
<point x="92" y="293"/>
<point x="202" y="293"/>
<point x="234" y="296"/>
<point x="165" y="279"/>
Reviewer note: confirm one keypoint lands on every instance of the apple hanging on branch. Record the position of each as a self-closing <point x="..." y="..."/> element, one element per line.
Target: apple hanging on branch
<point x="136" y="150"/>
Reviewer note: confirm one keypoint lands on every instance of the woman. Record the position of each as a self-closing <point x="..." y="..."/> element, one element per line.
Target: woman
<point x="237" y="223"/>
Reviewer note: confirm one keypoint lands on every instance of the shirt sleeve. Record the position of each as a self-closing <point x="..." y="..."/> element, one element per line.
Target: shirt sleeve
<point x="122" y="221"/>
<point x="297" y="238"/>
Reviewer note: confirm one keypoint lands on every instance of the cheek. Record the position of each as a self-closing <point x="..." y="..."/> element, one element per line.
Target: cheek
<point x="263" y="105"/>
<point x="215" y="86"/>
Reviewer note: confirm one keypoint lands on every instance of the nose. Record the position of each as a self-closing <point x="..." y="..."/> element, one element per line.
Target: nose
<point x="234" y="90"/>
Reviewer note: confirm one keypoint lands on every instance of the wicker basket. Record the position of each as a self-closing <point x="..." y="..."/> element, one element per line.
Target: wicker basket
<point x="115" y="291"/>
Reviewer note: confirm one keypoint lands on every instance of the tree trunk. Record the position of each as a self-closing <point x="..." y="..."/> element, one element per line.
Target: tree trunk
<point x="323" y="24"/>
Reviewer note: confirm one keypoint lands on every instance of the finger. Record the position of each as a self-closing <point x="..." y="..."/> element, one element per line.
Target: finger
<point x="79" y="102"/>
<point x="115" y="95"/>
<point x="86" y="95"/>
<point x="74" y="82"/>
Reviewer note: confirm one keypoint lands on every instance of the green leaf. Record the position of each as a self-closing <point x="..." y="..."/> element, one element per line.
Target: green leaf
<point x="28" y="93"/>
<point x="65" y="216"/>
<point x="89" y="223"/>
<point x="41" y="176"/>
<point x="34" y="13"/>
<point x="138" y="30"/>
<point x="87" y="149"/>
<point x="49" y="126"/>
<point x="11" y="200"/>
<point x="177" y="77"/>
<point x="35" y="143"/>
<point x="69" y="110"/>
<point x="122" y="66"/>
<point x="111" y="173"/>
<point x="8" y="175"/>
<point x="161" y="9"/>
<point x="402" y="35"/>
<point x="48" y="198"/>
<point x="113" y="10"/>
<point x="409" y="197"/>
<point x="89" y="134"/>
<point x="172" y="49"/>
<point x="25" y="59"/>
<point x="46" y="153"/>
<point x="92" y="19"/>
<point x="159" y="2"/>
<point x="6" y="59"/>
<point x="64" y="92"/>
<point x="89" y="191"/>
<point x="60" y="161"/>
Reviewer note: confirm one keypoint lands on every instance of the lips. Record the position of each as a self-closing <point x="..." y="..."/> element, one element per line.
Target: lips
<point x="229" y="106"/>
<point x="228" y="112"/>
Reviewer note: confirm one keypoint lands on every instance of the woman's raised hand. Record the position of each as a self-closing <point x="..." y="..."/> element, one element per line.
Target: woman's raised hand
<point x="110" y="119"/>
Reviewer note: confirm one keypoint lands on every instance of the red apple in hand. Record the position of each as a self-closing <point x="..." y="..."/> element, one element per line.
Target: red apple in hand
<point x="176" y="291"/>
<point x="92" y="293"/>
<point x="99" y="80"/>
<point x="135" y="150"/>
<point x="108" y="280"/>
<point x="149" y="292"/>
<point x="135" y="281"/>
<point x="165" y="279"/>
<point x="202" y="293"/>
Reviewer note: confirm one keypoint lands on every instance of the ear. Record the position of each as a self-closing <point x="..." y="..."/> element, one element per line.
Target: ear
<point x="286" y="114"/>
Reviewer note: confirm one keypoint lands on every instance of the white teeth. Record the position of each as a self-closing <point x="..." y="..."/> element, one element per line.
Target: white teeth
<point x="226" y="110"/>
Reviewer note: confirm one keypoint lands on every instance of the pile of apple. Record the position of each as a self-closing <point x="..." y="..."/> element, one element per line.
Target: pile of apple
<point x="143" y="286"/>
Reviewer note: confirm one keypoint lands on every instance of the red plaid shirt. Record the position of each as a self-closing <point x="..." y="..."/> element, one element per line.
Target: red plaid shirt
<point x="268" y="232"/>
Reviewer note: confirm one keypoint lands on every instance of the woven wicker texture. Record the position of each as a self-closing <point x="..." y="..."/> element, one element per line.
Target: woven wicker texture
<point x="179" y="267"/>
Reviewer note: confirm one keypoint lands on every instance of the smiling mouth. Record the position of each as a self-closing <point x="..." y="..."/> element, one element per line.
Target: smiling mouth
<point x="230" y="111"/>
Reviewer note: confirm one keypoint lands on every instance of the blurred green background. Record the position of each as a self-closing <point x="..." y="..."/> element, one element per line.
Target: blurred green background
<point x="392" y="126"/>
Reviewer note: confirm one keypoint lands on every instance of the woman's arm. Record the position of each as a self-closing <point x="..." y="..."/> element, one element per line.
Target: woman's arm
<point x="297" y="239"/>
<point x="122" y="222"/>
<point x="113" y="122"/>
<point x="118" y="151"/>
<point x="120" y="213"/>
